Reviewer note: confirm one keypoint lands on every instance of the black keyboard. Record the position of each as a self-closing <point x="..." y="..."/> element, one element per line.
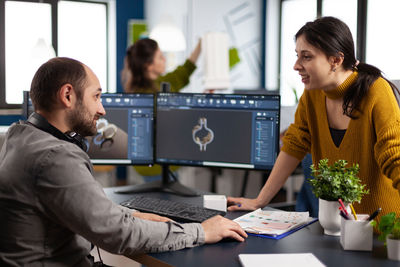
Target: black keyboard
<point x="177" y="211"/>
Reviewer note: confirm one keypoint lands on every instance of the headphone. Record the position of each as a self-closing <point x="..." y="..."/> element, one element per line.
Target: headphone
<point x="41" y="123"/>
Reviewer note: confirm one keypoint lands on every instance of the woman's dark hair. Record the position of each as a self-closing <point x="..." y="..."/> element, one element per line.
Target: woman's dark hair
<point x="51" y="76"/>
<point x="138" y="57"/>
<point x="333" y="37"/>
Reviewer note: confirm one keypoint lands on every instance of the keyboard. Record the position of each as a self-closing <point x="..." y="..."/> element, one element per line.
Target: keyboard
<point x="177" y="211"/>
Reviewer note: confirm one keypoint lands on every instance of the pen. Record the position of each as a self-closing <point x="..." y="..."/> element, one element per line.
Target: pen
<point x="353" y="211"/>
<point x="343" y="215"/>
<point x="373" y="215"/>
<point x="341" y="210"/>
<point x="343" y="206"/>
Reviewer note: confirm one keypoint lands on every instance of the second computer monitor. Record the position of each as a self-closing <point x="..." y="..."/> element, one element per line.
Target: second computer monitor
<point x="125" y="133"/>
<point x="234" y="131"/>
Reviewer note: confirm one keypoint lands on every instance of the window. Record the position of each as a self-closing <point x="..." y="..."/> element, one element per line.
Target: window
<point x="27" y="45"/>
<point x="32" y="35"/>
<point x="348" y="14"/>
<point x="293" y="15"/>
<point x="81" y="35"/>
<point x="292" y="20"/>
<point x="382" y="37"/>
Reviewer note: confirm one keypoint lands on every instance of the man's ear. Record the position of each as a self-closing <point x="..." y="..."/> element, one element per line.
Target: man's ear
<point x="66" y="95"/>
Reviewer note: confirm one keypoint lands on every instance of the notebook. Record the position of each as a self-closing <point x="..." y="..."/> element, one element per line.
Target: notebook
<point x="274" y="224"/>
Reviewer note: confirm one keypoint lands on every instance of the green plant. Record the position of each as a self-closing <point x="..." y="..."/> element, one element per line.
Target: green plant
<point x="389" y="224"/>
<point x="337" y="181"/>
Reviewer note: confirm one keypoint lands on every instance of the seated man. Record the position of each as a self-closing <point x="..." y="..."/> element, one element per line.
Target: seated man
<point x="51" y="208"/>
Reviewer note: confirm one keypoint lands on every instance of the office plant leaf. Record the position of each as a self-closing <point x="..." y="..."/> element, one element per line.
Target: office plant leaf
<point x="389" y="224"/>
<point x="332" y="182"/>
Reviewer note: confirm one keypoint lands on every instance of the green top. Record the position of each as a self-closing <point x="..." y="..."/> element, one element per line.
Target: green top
<point x="178" y="79"/>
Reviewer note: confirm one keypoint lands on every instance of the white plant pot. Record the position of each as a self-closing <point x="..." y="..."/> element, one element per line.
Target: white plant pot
<point x="393" y="248"/>
<point x="329" y="217"/>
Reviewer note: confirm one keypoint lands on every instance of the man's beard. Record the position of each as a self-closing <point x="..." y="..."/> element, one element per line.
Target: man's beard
<point x="81" y="121"/>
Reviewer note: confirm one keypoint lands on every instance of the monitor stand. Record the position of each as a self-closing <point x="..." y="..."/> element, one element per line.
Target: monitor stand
<point x="167" y="184"/>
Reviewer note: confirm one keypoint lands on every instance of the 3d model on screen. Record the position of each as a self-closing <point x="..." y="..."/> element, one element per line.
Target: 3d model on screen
<point x="109" y="142"/>
<point x="202" y="135"/>
<point x="105" y="133"/>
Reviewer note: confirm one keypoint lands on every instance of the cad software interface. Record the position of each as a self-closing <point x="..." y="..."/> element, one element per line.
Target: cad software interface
<point x="125" y="133"/>
<point x="237" y="131"/>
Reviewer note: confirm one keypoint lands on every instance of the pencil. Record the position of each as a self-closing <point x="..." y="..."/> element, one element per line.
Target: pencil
<point x="353" y="211"/>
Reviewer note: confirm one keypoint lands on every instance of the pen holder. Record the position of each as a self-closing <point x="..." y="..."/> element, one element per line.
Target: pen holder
<point x="356" y="235"/>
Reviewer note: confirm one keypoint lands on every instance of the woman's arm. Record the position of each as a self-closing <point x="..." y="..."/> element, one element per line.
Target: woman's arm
<point x="284" y="166"/>
<point x="195" y="53"/>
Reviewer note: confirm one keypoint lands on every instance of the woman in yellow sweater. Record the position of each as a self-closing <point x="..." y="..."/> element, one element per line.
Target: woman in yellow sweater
<point x="347" y="111"/>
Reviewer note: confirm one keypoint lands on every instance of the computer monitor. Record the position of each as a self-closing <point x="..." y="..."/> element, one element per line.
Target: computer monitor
<point x="230" y="131"/>
<point x="125" y="134"/>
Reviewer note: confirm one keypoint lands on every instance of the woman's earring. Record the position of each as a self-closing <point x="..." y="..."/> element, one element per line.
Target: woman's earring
<point x="334" y="69"/>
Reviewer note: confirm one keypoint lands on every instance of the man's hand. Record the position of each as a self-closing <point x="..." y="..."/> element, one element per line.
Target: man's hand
<point x="240" y="203"/>
<point x="219" y="227"/>
<point x="150" y="216"/>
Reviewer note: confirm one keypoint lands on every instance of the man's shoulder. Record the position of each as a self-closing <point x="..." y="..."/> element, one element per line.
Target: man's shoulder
<point x="35" y="141"/>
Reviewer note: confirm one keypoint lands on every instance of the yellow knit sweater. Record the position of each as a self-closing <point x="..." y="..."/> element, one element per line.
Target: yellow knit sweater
<point x="372" y="140"/>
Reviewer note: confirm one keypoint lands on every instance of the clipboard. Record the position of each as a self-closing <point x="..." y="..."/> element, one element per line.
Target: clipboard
<point x="277" y="237"/>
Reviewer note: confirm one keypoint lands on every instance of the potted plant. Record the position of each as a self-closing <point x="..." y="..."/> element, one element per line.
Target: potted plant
<point x="331" y="183"/>
<point x="389" y="227"/>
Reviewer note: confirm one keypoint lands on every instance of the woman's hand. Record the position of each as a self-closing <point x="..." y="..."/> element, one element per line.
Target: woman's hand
<point x="150" y="217"/>
<point x="196" y="52"/>
<point x="240" y="203"/>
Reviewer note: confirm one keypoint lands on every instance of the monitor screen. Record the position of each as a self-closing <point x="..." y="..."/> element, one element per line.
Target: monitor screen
<point x="233" y="131"/>
<point x="125" y="134"/>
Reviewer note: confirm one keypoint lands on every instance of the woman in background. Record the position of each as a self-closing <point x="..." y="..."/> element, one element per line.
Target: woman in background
<point x="143" y="72"/>
<point x="145" y="66"/>
<point x="347" y="111"/>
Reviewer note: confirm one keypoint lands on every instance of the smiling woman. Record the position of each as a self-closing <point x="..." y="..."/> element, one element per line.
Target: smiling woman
<point x="347" y="112"/>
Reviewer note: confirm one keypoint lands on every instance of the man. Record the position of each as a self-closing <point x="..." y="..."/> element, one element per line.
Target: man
<point x="51" y="208"/>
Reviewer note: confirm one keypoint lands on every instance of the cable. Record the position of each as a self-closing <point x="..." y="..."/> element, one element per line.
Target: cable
<point x="172" y="175"/>
<point x="98" y="252"/>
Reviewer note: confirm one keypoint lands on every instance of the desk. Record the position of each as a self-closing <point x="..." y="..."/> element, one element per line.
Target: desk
<point x="309" y="239"/>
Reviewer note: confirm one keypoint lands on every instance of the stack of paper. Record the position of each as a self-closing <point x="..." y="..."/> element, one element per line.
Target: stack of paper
<point x="281" y="260"/>
<point x="267" y="222"/>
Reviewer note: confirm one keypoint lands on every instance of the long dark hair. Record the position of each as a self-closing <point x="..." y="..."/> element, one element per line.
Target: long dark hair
<point x="333" y="37"/>
<point x="138" y="57"/>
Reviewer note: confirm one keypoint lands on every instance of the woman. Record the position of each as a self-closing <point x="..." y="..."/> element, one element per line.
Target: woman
<point x="145" y="66"/>
<point x="143" y="73"/>
<point x="347" y="111"/>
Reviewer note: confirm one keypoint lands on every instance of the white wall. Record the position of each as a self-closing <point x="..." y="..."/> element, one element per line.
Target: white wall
<point x="241" y="19"/>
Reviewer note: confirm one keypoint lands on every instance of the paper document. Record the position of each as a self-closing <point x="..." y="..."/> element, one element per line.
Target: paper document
<point x="281" y="260"/>
<point x="267" y="222"/>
